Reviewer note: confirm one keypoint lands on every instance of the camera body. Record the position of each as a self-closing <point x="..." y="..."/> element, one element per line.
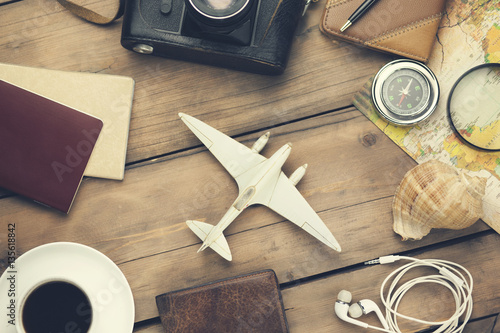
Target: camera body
<point x="247" y="35"/>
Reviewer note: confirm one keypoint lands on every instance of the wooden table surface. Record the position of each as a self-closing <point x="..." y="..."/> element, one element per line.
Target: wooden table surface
<point x="139" y="222"/>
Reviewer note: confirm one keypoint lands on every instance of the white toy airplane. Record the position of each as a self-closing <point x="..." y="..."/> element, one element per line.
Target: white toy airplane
<point x="260" y="181"/>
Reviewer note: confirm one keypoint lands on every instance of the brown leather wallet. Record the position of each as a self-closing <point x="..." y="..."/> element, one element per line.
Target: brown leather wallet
<point x="407" y="28"/>
<point x="248" y="303"/>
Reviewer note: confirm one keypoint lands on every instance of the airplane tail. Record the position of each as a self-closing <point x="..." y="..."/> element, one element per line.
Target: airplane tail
<point x="220" y="245"/>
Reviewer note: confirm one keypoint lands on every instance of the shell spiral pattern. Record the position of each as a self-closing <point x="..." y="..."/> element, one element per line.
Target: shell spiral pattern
<point x="436" y="195"/>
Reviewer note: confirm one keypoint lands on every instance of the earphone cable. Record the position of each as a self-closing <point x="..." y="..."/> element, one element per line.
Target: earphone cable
<point x="451" y="276"/>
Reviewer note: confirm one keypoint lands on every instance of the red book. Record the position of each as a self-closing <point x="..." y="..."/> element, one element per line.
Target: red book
<point x="44" y="146"/>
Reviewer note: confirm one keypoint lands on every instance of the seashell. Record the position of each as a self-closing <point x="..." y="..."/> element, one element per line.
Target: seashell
<point x="436" y="195"/>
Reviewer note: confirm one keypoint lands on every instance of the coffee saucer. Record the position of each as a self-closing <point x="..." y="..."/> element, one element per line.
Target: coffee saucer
<point x="97" y="275"/>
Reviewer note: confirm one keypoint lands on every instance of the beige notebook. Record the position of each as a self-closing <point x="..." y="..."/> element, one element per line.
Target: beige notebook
<point x="107" y="97"/>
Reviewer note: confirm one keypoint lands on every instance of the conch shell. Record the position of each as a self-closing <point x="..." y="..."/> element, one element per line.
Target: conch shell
<point x="436" y="195"/>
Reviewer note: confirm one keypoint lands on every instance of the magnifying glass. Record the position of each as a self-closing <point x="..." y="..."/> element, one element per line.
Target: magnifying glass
<point x="474" y="106"/>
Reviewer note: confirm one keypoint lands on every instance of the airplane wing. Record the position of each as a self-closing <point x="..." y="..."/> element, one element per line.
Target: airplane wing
<point x="234" y="156"/>
<point x="287" y="201"/>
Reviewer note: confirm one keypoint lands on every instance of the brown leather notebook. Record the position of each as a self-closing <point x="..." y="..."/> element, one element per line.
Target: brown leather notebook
<point x="407" y="28"/>
<point x="248" y="303"/>
<point x="44" y="146"/>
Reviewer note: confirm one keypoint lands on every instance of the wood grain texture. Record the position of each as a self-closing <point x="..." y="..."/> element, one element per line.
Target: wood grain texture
<point x="434" y="303"/>
<point x="486" y="325"/>
<point x="164" y="193"/>
<point x="309" y="306"/>
<point x="7" y="2"/>
<point x="150" y="328"/>
<point x="43" y="34"/>
<point x="496" y="325"/>
<point x="477" y="326"/>
<point x="139" y="223"/>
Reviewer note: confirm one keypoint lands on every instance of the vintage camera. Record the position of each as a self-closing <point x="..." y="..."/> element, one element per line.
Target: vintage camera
<point x="248" y="35"/>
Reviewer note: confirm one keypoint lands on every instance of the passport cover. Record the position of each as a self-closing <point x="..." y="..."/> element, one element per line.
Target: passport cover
<point x="248" y="303"/>
<point x="107" y="97"/>
<point x="406" y="28"/>
<point x="44" y="146"/>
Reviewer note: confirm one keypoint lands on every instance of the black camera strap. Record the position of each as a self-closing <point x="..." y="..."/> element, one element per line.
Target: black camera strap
<point x="90" y="15"/>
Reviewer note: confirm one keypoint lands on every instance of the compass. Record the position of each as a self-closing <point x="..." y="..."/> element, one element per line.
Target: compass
<point x="405" y="92"/>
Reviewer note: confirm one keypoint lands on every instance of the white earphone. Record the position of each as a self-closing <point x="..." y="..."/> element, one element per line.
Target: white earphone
<point x="451" y="275"/>
<point x="366" y="306"/>
<point x="342" y="307"/>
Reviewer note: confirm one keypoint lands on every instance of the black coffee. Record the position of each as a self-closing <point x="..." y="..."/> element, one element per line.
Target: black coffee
<point x="57" y="307"/>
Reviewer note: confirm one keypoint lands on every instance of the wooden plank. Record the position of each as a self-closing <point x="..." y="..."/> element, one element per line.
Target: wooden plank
<point x="6" y="2"/>
<point x="486" y="325"/>
<point x="481" y="325"/>
<point x="309" y="306"/>
<point x="150" y="328"/>
<point x="43" y="34"/>
<point x="496" y="325"/>
<point x="160" y="195"/>
<point x="293" y="255"/>
<point x="139" y="223"/>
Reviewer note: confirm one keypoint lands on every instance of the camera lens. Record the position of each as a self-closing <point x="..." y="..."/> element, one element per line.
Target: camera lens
<point x="221" y="11"/>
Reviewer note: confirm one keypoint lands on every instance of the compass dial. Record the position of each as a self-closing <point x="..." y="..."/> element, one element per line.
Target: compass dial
<point x="405" y="92"/>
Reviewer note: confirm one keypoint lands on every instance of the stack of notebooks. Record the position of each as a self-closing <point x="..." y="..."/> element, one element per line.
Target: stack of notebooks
<point x="56" y="127"/>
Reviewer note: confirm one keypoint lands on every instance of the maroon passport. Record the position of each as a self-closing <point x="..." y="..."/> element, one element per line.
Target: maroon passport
<point x="44" y="146"/>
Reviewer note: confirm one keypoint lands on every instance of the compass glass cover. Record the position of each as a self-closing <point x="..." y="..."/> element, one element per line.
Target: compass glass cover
<point x="406" y="92"/>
